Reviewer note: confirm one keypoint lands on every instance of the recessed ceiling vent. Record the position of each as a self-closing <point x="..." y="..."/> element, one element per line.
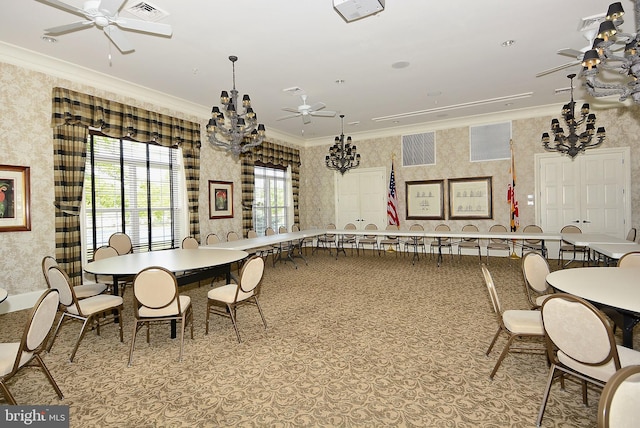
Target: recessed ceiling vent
<point x="562" y="90"/>
<point x="147" y="11"/>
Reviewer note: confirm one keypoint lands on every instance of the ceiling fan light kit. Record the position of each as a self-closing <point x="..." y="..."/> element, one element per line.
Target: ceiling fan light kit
<point x="233" y="130"/>
<point x="342" y="156"/>
<point x="572" y="144"/>
<point x="104" y="15"/>
<point x="306" y="111"/>
<point x="606" y="72"/>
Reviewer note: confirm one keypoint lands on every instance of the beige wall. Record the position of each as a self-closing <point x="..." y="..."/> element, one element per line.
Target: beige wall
<point x="25" y="139"/>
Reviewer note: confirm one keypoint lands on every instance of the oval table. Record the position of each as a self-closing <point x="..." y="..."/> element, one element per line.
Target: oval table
<point x="3" y="294"/>
<point x="610" y="286"/>
<point x="198" y="263"/>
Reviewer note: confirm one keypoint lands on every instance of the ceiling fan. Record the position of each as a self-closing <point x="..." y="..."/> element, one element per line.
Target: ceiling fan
<point x="577" y="54"/>
<point x="306" y="111"/>
<point x="104" y="14"/>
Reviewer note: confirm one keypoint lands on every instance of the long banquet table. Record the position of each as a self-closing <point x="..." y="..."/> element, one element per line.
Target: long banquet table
<point x="616" y="287"/>
<point x="250" y="243"/>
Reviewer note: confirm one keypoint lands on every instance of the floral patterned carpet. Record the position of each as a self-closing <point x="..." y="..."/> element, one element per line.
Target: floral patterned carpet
<point x="362" y="341"/>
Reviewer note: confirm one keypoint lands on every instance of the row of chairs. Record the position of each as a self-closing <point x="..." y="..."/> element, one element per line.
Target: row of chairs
<point x="156" y="300"/>
<point x="578" y="338"/>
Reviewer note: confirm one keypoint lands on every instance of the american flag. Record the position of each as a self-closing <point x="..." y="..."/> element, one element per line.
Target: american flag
<point x="392" y="200"/>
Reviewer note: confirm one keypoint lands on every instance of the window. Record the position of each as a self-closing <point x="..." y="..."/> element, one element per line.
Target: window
<point x="135" y="188"/>
<point x="272" y="198"/>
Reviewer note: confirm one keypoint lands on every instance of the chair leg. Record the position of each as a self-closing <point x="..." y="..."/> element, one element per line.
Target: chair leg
<point x="133" y="342"/>
<point x="55" y="333"/>
<point x="86" y="323"/>
<point x="493" y="342"/>
<point x="255" y="299"/>
<point x="232" y="314"/>
<point x="49" y="376"/>
<point x="503" y="354"/>
<point x="7" y="395"/>
<point x="545" y="397"/>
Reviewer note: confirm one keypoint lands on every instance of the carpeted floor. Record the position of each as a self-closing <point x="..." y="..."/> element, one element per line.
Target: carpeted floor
<point x="359" y="342"/>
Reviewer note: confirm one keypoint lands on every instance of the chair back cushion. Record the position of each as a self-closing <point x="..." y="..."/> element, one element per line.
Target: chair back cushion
<point x="190" y="243"/>
<point x="155" y="287"/>
<point x="41" y="320"/>
<point x="232" y="236"/>
<point x="58" y="280"/>
<point x="491" y="288"/>
<point x="578" y="329"/>
<point x="121" y="242"/>
<point x="251" y="274"/>
<point x="618" y="405"/>
<point x="631" y="259"/>
<point x="105" y="252"/>
<point x="535" y="270"/>
<point x="251" y="234"/>
<point x="48" y="262"/>
<point x="212" y="238"/>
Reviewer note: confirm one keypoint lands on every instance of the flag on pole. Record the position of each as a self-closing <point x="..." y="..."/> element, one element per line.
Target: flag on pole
<point x="392" y="200"/>
<point x="511" y="193"/>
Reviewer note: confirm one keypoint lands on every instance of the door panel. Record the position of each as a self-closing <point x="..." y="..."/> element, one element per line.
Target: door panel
<point x="361" y="198"/>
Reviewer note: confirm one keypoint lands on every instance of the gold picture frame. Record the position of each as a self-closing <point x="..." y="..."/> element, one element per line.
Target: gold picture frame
<point x="15" y="198"/>
<point x="220" y="199"/>
<point x="470" y="198"/>
<point x="425" y="199"/>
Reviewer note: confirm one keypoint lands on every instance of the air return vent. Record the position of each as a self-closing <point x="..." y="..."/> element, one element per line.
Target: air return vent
<point x="147" y="11"/>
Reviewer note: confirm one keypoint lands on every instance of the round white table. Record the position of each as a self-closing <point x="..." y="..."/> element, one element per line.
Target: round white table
<point x="3" y="294"/>
<point x="610" y="286"/>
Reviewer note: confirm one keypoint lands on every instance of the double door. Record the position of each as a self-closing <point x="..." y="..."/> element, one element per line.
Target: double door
<point x="590" y="191"/>
<point x="361" y="198"/>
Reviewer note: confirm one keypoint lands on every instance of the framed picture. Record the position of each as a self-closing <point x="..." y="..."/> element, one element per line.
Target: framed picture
<point x="470" y="198"/>
<point x="220" y="199"/>
<point x="425" y="200"/>
<point x="15" y="199"/>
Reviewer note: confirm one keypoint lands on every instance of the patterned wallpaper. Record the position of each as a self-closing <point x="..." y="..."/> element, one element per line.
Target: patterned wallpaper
<point x="25" y="139"/>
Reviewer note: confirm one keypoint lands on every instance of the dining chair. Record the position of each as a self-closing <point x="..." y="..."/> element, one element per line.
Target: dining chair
<point x="276" y="249"/>
<point x="225" y="300"/>
<point x="190" y="243"/>
<point x="156" y="301"/>
<point x="415" y="242"/>
<point x="212" y="238"/>
<point x="514" y="323"/>
<point x="535" y="269"/>
<point x="347" y="239"/>
<point x="104" y="252"/>
<point x="121" y="242"/>
<point x="82" y="291"/>
<point x="440" y="243"/>
<point x="618" y="405"/>
<point x="497" y="244"/>
<point x="287" y="246"/>
<point x="303" y="243"/>
<point x="631" y="235"/>
<point x="532" y="244"/>
<point x="566" y="247"/>
<point x="232" y="236"/>
<point x="102" y="309"/>
<point x="18" y="355"/>
<point x="263" y="251"/>
<point x="469" y="243"/>
<point x="631" y="259"/>
<point x="371" y="240"/>
<point x="580" y="343"/>
<point x="327" y="240"/>
<point x="392" y="242"/>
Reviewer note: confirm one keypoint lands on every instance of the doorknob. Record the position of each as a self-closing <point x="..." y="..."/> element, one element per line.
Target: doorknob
<point x="586" y="221"/>
<point x="576" y="221"/>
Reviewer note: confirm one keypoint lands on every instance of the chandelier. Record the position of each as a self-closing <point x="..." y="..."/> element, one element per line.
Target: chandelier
<point x="238" y="131"/>
<point x="574" y="143"/>
<point x="342" y="156"/>
<point x="624" y="71"/>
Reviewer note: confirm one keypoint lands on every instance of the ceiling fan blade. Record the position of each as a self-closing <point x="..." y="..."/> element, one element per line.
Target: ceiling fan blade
<point x="118" y="38"/>
<point x="558" y="68"/>
<point x="110" y="7"/>
<point x="326" y="113"/>
<point x="289" y="116"/>
<point x="69" y="27"/>
<point x="64" y="6"/>
<point x="317" y="106"/>
<point x="144" y="26"/>
<point x="292" y="110"/>
<point x="306" y="119"/>
<point x="571" y="52"/>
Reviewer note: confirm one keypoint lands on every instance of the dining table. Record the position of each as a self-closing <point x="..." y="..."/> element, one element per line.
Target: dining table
<point x="618" y="288"/>
<point x="3" y="295"/>
<point x="189" y="265"/>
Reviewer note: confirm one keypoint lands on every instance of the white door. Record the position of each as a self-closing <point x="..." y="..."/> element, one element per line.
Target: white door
<point x="590" y="191"/>
<point x="361" y="198"/>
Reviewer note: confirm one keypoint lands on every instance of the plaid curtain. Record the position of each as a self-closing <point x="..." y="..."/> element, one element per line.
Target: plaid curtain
<point x="72" y="114"/>
<point x="268" y="153"/>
